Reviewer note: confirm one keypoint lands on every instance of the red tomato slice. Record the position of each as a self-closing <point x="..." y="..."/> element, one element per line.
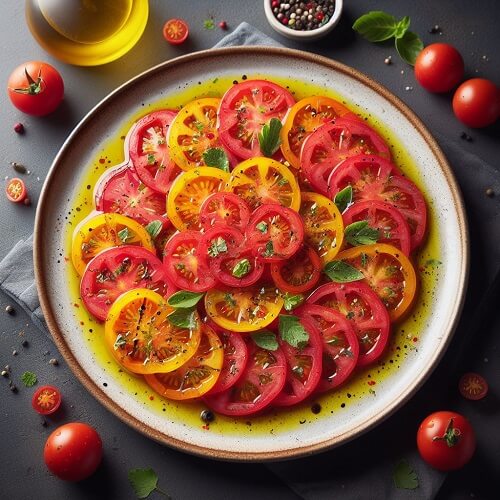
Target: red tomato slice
<point x="149" y="153"/>
<point x="118" y="270"/>
<point x="392" y="226"/>
<point x="175" y="31"/>
<point x="235" y="359"/>
<point x="303" y="367"/>
<point x="245" y="108"/>
<point x="46" y="400"/>
<point x="262" y="380"/>
<point x="183" y="264"/>
<point x="298" y="273"/>
<point x="375" y="178"/>
<point x="367" y="313"/>
<point x="224" y="208"/>
<point x="327" y="147"/>
<point x="120" y="190"/>
<point x="340" y="344"/>
<point x="275" y="232"/>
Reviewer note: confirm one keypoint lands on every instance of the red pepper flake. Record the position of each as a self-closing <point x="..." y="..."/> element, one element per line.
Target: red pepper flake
<point x="205" y="427"/>
<point x="82" y="323"/>
<point x="76" y="305"/>
<point x="19" y="128"/>
<point x="151" y="398"/>
<point x="371" y="382"/>
<point x="415" y="339"/>
<point x="102" y="160"/>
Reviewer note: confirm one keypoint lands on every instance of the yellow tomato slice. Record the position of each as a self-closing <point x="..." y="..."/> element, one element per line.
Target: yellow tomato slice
<point x="303" y="118"/>
<point x="243" y="309"/>
<point x="323" y="225"/>
<point x="189" y="191"/>
<point x="193" y="131"/>
<point x="389" y="273"/>
<point x="141" y="337"/>
<point x="99" y="232"/>
<point x="263" y="180"/>
<point x="195" y="377"/>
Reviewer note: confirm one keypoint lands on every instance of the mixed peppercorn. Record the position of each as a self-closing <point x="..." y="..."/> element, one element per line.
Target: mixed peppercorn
<point x="303" y="16"/>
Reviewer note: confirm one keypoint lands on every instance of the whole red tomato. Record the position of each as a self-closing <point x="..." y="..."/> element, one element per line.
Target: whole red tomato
<point x="35" y="88"/>
<point x="477" y="102"/>
<point x="73" y="451"/>
<point x="439" y="67"/>
<point x="446" y="440"/>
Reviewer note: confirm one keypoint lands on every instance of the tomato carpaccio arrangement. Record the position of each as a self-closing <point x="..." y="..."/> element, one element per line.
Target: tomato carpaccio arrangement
<point x="252" y="251"/>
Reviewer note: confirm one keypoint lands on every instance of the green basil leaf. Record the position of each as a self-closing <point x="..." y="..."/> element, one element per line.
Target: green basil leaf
<point x="291" y="301"/>
<point x="217" y="247"/>
<point x="404" y="476"/>
<point x="143" y="481"/>
<point x="216" y="157"/>
<point x="361" y="233"/>
<point x="124" y="235"/>
<point x="269" y="137"/>
<point x="343" y="199"/>
<point x="154" y="228"/>
<point x="183" y="318"/>
<point x="402" y="27"/>
<point x="184" y="299"/>
<point x="292" y="331"/>
<point x="342" y="272"/>
<point x="269" y="251"/>
<point x="376" y="26"/>
<point x="409" y="46"/>
<point x="262" y="227"/>
<point x="266" y="340"/>
<point x="242" y="268"/>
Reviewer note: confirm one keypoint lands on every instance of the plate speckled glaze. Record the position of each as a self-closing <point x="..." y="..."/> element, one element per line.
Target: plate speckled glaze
<point x="64" y="182"/>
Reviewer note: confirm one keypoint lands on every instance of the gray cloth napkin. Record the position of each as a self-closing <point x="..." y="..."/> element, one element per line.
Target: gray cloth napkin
<point x="362" y="469"/>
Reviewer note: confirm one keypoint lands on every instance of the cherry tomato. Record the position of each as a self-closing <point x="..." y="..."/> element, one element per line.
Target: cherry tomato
<point x="439" y="67"/>
<point x="446" y="440"/>
<point x="477" y="102"/>
<point x="472" y="386"/>
<point x="73" y="451"/>
<point x="149" y="153"/>
<point x="245" y="108"/>
<point x="16" y="190"/>
<point x="35" y="88"/>
<point x="46" y="399"/>
<point x="118" y="270"/>
<point x="175" y="31"/>
<point x="142" y="339"/>
<point x="224" y="208"/>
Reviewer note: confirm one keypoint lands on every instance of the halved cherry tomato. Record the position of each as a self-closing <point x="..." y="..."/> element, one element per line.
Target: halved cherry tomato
<point x="263" y="180"/>
<point x="99" y="232"/>
<point x="262" y="380"/>
<point x="388" y="272"/>
<point x="472" y="386"/>
<point x="16" y="190"/>
<point x="235" y="360"/>
<point x="197" y="375"/>
<point x="193" y="131"/>
<point x="120" y="190"/>
<point x="323" y="225"/>
<point x="391" y="225"/>
<point x="46" y="399"/>
<point x="189" y="191"/>
<point x="149" y="154"/>
<point x="375" y="178"/>
<point x="326" y="148"/>
<point x="298" y="273"/>
<point x="303" y="366"/>
<point x="141" y="338"/>
<point x="340" y="344"/>
<point x="243" y="310"/>
<point x="368" y="315"/>
<point x="184" y="266"/>
<point x="306" y="116"/>
<point x="224" y="208"/>
<point x="275" y="232"/>
<point x="118" y="270"/>
<point x="244" y="109"/>
<point x="175" y="31"/>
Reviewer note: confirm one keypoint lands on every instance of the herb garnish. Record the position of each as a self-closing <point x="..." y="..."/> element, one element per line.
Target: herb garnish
<point x="217" y="247"/>
<point x="29" y="379"/>
<point x="291" y="301"/>
<point x="184" y="299"/>
<point x="144" y="482"/>
<point x="154" y="228"/>
<point x="361" y="233"/>
<point x="269" y="251"/>
<point x="216" y="157"/>
<point x="269" y="138"/>
<point x="124" y="235"/>
<point x="183" y="318"/>
<point x="404" y="476"/>
<point x="209" y="24"/>
<point x="343" y="199"/>
<point x="262" y="227"/>
<point x="266" y="339"/>
<point x="342" y="272"/>
<point x="242" y="268"/>
<point x="292" y="331"/>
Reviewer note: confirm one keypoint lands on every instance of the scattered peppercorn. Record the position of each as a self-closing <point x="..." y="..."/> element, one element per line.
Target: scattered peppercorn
<point x="25" y="343"/>
<point x="207" y="416"/>
<point x="27" y="201"/>
<point x="5" y="373"/>
<point x="490" y="193"/>
<point x="12" y="387"/>
<point x="54" y="362"/>
<point x="223" y="25"/>
<point x="436" y="30"/>
<point x="303" y="16"/>
<point x="19" y="128"/>
<point x="20" y="169"/>
<point x="465" y="137"/>
<point x="14" y="353"/>
<point x="316" y="408"/>
<point x="9" y="309"/>
<point x="44" y="422"/>
<point x="388" y="60"/>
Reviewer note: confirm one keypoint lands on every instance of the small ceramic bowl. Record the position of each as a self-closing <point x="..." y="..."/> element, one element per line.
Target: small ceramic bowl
<point x="304" y="36"/>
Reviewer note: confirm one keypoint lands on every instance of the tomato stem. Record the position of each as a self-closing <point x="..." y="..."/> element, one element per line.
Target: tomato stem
<point x="451" y="435"/>
<point x="34" y="87"/>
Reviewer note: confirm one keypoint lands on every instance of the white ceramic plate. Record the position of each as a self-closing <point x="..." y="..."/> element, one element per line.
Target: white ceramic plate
<point x="275" y="436"/>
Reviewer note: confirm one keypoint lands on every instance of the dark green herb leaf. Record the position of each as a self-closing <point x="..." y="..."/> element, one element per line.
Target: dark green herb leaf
<point x="291" y="301"/>
<point x="292" y="331"/>
<point x="184" y="299"/>
<point x="404" y="476"/>
<point x="342" y="272"/>
<point x="343" y="199"/>
<point x="216" y="157"/>
<point x="269" y="251"/>
<point x="269" y="138"/>
<point x="28" y="379"/>
<point x="143" y="481"/>
<point x="266" y="340"/>
<point x="124" y="235"/>
<point x="376" y="26"/>
<point x="217" y="247"/>
<point x="402" y="27"/>
<point x="183" y="318"/>
<point x="229" y="299"/>
<point x="360" y="233"/>
<point x="409" y="46"/>
<point x="154" y="228"/>
<point x="242" y="268"/>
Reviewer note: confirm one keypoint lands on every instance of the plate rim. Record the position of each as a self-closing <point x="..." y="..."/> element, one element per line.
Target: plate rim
<point x="108" y="402"/>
